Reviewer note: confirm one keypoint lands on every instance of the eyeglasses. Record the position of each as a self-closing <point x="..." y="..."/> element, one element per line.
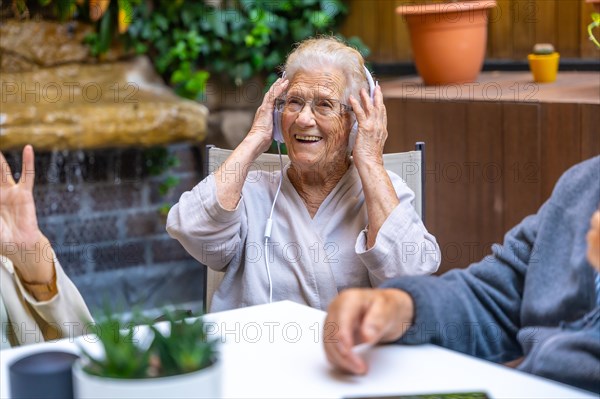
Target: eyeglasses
<point x="319" y="106"/>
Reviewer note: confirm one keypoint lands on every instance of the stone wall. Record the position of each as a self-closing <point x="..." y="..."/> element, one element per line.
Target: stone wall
<point x="99" y="208"/>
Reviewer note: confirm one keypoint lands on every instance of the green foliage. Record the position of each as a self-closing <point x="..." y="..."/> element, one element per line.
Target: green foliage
<point x="123" y="358"/>
<point x="157" y="162"/>
<point x="111" y="18"/>
<point x="183" y="348"/>
<point x="190" y="39"/>
<point x="593" y="25"/>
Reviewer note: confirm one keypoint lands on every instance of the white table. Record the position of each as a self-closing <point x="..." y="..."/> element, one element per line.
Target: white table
<point x="276" y="351"/>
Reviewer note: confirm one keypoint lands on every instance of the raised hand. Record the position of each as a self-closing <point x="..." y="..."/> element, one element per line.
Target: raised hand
<point x="262" y="126"/>
<point x="372" y="127"/>
<point x="20" y="235"/>
<point x="372" y="132"/>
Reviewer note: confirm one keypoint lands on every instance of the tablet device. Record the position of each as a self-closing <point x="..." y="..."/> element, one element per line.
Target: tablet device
<point x="454" y="395"/>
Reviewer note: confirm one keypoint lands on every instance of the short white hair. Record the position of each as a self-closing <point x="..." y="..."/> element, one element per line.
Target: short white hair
<point x="327" y="52"/>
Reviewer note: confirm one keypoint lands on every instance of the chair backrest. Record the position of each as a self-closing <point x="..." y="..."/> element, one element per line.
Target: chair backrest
<point x="409" y="165"/>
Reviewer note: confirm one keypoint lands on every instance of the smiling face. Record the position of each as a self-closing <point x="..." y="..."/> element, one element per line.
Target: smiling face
<point x="313" y="140"/>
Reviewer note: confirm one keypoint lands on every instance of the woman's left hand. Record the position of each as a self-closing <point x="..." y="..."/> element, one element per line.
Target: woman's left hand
<point x="380" y="195"/>
<point x="372" y="127"/>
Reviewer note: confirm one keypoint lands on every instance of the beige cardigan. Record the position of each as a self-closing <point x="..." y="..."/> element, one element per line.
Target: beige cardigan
<point x="30" y="321"/>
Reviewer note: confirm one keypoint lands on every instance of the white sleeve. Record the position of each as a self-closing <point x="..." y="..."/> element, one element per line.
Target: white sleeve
<point x="66" y="311"/>
<point x="209" y="233"/>
<point x="403" y="246"/>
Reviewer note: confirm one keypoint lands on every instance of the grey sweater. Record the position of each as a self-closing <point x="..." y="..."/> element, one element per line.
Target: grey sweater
<point x="533" y="297"/>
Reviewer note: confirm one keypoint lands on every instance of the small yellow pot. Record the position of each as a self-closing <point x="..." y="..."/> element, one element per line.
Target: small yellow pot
<point x="544" y="67"/>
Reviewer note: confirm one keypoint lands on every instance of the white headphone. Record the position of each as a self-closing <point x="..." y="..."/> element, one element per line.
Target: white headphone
<point x="277" y="132"/>
<point x="354" y="130"/>
<point x="278" y="137"/>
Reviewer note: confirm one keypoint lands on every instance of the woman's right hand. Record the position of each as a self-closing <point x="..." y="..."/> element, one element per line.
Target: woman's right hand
<point x="261" y="132"/>
<point x="258" y="140"/>
<point x="22" y="241"/>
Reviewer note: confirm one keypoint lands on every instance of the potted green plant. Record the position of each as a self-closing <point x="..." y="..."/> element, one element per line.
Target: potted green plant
<point x="169" y="359"/>
<point x="448" y="39"/>
<point x="543" y="63"/>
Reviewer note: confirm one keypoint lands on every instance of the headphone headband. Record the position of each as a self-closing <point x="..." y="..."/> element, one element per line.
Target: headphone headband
<point x="354" y="129"/>
<point x="371" y="82"/>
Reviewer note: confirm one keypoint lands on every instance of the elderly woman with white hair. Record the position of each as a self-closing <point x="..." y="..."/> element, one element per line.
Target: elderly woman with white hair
<point x="338" y="221"/>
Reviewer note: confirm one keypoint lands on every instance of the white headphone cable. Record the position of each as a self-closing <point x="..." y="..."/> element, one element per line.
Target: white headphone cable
<point x="269" y="225"/>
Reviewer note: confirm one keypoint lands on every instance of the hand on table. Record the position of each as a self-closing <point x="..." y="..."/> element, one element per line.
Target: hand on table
<point x="369" y="316"/>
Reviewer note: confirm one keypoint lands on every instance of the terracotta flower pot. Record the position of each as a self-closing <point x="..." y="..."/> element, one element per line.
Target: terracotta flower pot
<point x="448" y="39"/>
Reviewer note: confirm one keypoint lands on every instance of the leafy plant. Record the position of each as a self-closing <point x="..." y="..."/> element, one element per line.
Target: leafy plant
<point x="157" y="162"/>
<point x="593" y="25"/>
<point x="242" y="38"/>
<point x="190" y="39"/>
<point x="122" y="357"/>
<point x="183" y="348"/>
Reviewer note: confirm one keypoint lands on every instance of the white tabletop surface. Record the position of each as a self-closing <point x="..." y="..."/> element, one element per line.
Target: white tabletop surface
<point x="275" y="351"/>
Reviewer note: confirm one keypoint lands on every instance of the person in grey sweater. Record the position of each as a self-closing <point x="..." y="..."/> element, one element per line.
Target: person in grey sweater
<point x="533" y="302"/>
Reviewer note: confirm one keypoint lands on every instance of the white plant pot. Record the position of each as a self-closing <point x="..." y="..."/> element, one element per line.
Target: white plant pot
<point x="205" y="383"/>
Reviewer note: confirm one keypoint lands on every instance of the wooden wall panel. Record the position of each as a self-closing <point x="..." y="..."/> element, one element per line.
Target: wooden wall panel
<point x="561" y="135"/>
<point x="402" y="48"/>
<point x="522" y="27"/>
<point x="568" y="26"/>
<point x="590" y="130"/>
<point x="500" y="30"/>
<point x="545" y="21"/>
<point x="446" y="173"/>
<point x="515" y="26"/>
<point x="362" y="22"/>
<point x="397" y="140"/>
<point x="521" y="173"/>
<point x="484" y="157"/>
<point x="423" y="129"/>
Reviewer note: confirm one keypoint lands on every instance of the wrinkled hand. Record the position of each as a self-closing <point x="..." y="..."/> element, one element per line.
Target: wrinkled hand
<point x="262" y="126"/>
<point x="364" y="316"/>
<point x="593" y="239"/>
<point x="372" y="127"/>
<point x="18" y="222"/>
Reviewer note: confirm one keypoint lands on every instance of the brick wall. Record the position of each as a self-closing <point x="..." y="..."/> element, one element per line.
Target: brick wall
<point x="100" y="211"/>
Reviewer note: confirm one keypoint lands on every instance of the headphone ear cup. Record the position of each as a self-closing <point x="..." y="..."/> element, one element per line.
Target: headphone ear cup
<point x="277" y="133"/>
<point x="352" y="137"/>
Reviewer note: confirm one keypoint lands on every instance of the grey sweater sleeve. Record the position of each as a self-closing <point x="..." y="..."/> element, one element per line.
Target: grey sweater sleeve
<point x="475" y="311"/>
